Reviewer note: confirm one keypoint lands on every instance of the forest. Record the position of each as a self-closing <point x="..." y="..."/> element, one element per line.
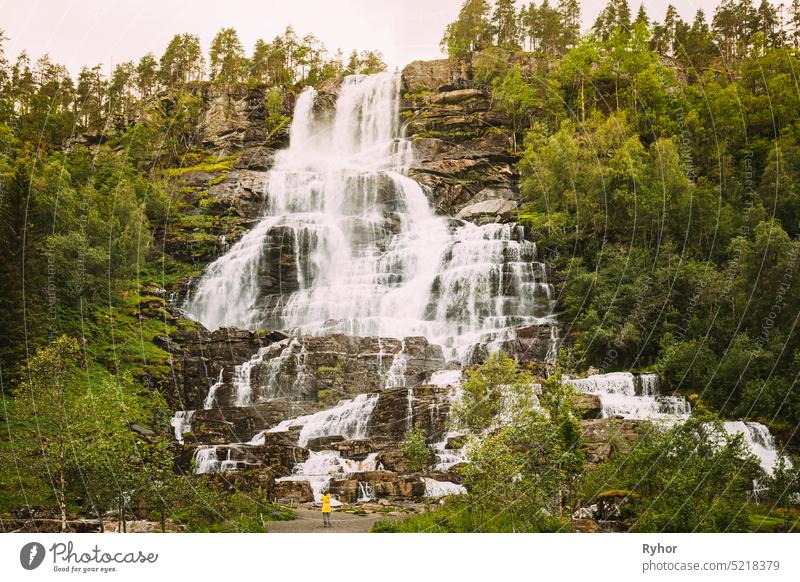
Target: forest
<point x="658" y="162"/>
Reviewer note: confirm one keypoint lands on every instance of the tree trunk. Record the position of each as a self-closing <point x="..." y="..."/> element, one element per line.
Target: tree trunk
<point x="62" y="481"/>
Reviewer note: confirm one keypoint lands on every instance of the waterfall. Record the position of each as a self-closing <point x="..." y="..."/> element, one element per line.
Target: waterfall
<point x="182" y="423"/>
<point x="322" y="466"/>
<point x="632" y="396"/>
<point x="759" y="440"/>
<point x="348" y="419"/>
<point x="436" y="489"/>
<point x="212" y="392"/>
<point x="348" y="243"/>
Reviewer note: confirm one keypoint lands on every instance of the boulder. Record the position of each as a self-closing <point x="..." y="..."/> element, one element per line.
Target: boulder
<point x="345" y="490"/>
<point x="323" y="443"/>
<point x="588" y="406"/>
<point x="456" y="442"/>
<point x="437" y="75"/>
<point x="489" y="211"/>
<point x="291" y="491"/>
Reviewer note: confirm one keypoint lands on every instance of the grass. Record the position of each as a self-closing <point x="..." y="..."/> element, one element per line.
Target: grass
<point x="765" y="520"/>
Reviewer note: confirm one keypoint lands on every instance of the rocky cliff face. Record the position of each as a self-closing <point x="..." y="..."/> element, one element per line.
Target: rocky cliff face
<point x="462" y="143"/>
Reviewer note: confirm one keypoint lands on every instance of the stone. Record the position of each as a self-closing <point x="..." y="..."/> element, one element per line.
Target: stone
<point x="436" y="75"/>
<point x="345" y="490"/>
<point x="489" y="211"/>
<point x="356" y="449"/>
<point x="220" y="425"/>
<point x="325" y="369"/>
<point x="588" y="406"/>
<point x="291" y="491"/>
<point x="456" y="442"/>
<point x="390" y="420"/>
<point x="323" y="443"/>
<point x="242" y="191"/>
<point x="199" y="355"/>
<point x="532" y="345"/>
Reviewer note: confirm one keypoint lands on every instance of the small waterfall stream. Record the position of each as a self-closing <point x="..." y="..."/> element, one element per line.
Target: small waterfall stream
<point x="633" y="396"/>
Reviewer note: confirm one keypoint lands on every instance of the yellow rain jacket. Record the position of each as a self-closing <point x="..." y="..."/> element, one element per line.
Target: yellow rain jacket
<point x="326" y="503"/>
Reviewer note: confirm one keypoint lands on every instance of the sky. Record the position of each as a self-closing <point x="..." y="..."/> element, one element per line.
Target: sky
<point x="107" y="32"/>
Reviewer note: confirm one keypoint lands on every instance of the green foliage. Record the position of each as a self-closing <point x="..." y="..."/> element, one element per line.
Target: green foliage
<point x="203" y="506"/>
<point x="72" y="428"/>
<point x="460" y="514"/>
<point x="415" y="450"/>
<point x="782" y="487"/>
<point x="691" y="478"/>
<point x="524" y="455"/>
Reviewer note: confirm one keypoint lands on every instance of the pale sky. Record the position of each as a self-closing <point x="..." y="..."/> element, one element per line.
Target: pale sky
<point x="107" y="32"/>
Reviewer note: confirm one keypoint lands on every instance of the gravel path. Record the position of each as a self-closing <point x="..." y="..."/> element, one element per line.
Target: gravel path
<point x="310" y="521"/>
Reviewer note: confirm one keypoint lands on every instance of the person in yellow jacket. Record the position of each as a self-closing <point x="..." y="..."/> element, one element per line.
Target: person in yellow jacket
<point x="326" y="509"/>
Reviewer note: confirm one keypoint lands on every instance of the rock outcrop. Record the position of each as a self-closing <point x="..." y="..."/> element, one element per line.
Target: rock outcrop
<point x="325" y="369"/>
<point x="198" y="357"/>
<point x="462" y="142"/>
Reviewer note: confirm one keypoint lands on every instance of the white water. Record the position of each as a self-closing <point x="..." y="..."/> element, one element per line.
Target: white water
<point x="435" y="488"/>
<point x="759" y="440"/>
<point x="371" y="257"/>
<point x="322" y="466"/>
<point x="348" y="419"/>
<point x="629" y="396"/>
<point x="637" y="397"/>
<point x="182" y="423"/>
<point x="212" y="392"/>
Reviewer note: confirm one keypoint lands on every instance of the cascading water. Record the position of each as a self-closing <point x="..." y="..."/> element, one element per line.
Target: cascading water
<point x="348" y="419"/>
<point x="182" y="423"/>
<point x="633" y="396"/>
<point x="758" y="439"/>
<point x="638" y="397"/>
<point x="367" y="255"/>
<point x="322" y="466"/>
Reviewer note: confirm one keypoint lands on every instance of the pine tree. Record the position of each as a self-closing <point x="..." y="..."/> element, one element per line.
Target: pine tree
<point x="793" y="23"/>
<point x="258" y="66"/>
<point x="504" y="24"/>
<point x="641" y="17"/>
<point x="570" y="12"/>
<point x="471" y="31"/>
<point x="227" y="57"/>
<point x="146" y="75"/>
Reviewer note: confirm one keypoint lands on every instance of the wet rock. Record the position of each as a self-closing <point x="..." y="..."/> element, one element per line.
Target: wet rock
<point x="345" y="490"/>
<point x="356" y="449"/>
<point x="588" y="406"/>
<point x="199" y="355"/>
<point x="428" y="405"/>
<point x="325" y="369"/>
<point x="489" y="211"/>
<point x="238" y="424"/>
<point x="324" y="443"/>
<point x="290" y="491"/>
